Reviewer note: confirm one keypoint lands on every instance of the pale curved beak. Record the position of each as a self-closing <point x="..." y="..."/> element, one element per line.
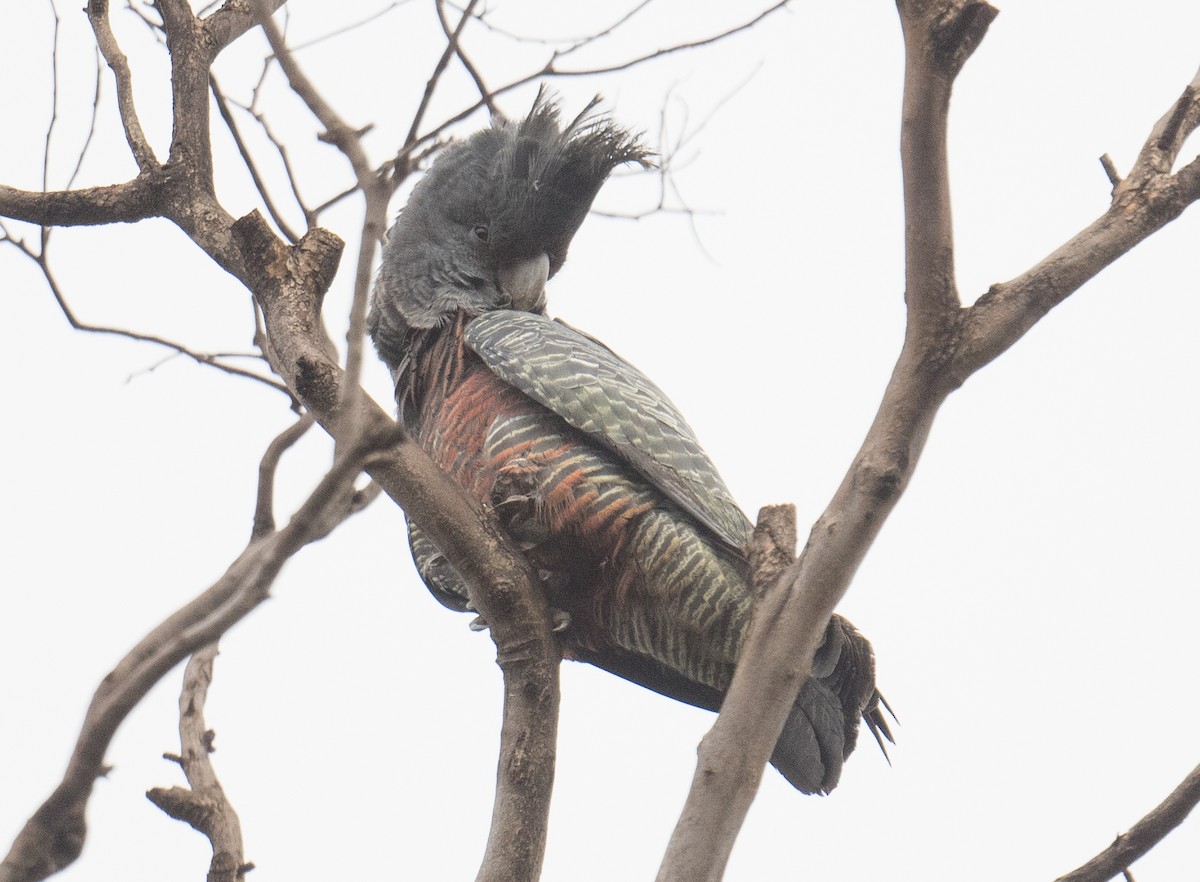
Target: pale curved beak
<point x="525" y="283"/>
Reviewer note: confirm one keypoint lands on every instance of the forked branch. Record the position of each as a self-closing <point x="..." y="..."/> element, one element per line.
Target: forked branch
<point x="54" y="835"/>
<point x="944" y="344"/>
<point x="204" y="806"/>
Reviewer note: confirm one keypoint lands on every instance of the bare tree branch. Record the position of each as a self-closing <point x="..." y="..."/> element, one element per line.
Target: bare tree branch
<point x="54" y="835"/>
<point x="204" y="358"/>
<point x="264" y="509"/>
<point x="549" y="71"/>
<point x="337" y="131"/>
<point x="248" y="160"/>
<point x="98" y="15"/>
<point x="233" y="19"/>
<point x="438" y="69"/>
<point x="91" y="134"/>
<point x="54" y="100"/>
<point x="452" y="36"/>
<point x="376" y="191"/>
<point x="581" y="42"/>
<point x="338" y="32"/>
<point x="1142" y="836"/>
<point x="791" y="616"/>
<point x="310" y="215"/>
<point x="1148" y="199"/>
<point x="122" y="203"/>
<point x="944" y="344"/>
<point x="289" y="283"/>
<point x="205" y="806"/>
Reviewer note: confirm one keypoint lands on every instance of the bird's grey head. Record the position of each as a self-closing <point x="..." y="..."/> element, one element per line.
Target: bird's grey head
<point x="492" y="219"/>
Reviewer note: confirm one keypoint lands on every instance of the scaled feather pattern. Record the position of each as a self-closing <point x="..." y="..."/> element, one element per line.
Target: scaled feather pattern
<point x="586" y="463"/>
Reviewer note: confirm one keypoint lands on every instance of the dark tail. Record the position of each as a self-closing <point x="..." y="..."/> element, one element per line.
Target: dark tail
<point x="822" y="729"/>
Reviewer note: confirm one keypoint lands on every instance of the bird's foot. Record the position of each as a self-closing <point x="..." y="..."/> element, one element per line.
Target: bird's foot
<point x="560" y="620"/>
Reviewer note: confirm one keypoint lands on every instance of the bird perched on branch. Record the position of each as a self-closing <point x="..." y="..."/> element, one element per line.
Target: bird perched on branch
<point x="586" y="464"/>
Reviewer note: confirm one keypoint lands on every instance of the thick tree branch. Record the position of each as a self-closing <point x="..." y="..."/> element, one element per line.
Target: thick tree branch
<point x="289" y="283"/>
<point x="791" y="615"/>
<point x="377" y="190"/>
<point x="938" y="38"/>
<point x="943" y="346"/>
<point x="233" y="19"/>
<point x="123" y="203"/>
<point x="1161" y="149"/>
<point x="191" y="56"/>
<point x="1143" y="835"/>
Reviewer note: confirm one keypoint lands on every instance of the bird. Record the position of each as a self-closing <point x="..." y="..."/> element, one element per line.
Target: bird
<point x="584" y="462"/>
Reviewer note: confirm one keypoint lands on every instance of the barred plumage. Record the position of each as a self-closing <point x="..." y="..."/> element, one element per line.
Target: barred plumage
<point x="586" y="464"/>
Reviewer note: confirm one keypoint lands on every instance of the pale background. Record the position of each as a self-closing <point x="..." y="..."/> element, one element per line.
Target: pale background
<point x="1032" y="601"/>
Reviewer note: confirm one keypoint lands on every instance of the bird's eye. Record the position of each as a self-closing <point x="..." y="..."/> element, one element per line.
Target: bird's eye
<point x="481" y="232"/>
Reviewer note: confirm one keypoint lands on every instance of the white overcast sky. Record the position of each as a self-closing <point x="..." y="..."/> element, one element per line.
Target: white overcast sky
<point x="1032" y="601"/>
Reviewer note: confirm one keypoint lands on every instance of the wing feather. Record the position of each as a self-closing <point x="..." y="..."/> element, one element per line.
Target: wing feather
<point x="602" y="395"/>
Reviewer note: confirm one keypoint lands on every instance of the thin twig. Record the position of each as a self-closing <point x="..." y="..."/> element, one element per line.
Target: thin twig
<point x="248" y="160"/>
<point x="332" y="201"/>
<point x="549" y="70"/>
<point x="337" y="132"/>
<point x="411" y="140"/>
<point x="310" y="215"/>
<point x="476" y="77"/>
<point x="573" y="43"/>
<point x="53" y="100"/>
<point x="209" y="359"/>
<point x="264" y="509"/>
<point x="345" y="29"/>
<point x="91" y="133"/>
<point x="153" y="25"/>
<point x="581" y="42"/>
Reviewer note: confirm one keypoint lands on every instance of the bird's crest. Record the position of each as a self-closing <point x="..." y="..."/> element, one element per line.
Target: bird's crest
<point x="507" y="197"/>
<point x="536" y="177"/>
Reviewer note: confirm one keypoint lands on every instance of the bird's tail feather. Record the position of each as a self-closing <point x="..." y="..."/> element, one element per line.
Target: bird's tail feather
<point x="822" y="728"/>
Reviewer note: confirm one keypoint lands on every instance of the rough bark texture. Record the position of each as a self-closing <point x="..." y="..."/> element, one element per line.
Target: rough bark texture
<point x="204" y="806"/>
<point x="283" y="278"/>
<point x="289" y="283"/>
<point x="944" y="344"/>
